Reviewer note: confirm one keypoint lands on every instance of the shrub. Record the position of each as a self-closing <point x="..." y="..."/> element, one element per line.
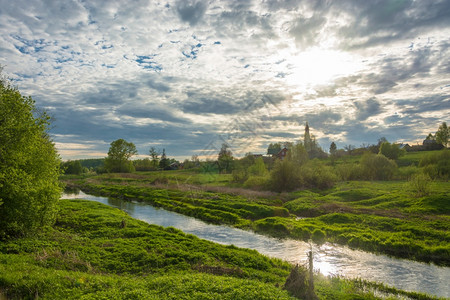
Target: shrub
<point x="349" y="171"/>
<point x="256" y="182"/>
<point x="29" y="166"/>
<point x="258" y="168"/>
<point x="284" y="176"/>
<point x="420" y="185"/>
<point x="437" y="164"/>
<point x="391" y="151"/>
<point x="407" y="172"/>
<point x="377" y="167"/>
<point x="318" y="236"/>
<point x="315" y="174"/>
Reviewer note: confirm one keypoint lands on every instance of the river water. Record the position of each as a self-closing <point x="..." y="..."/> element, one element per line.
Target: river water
<point x="329" y="259"/>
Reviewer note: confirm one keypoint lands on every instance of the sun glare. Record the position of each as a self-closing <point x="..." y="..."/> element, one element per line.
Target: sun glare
<point x="318" y="67"/>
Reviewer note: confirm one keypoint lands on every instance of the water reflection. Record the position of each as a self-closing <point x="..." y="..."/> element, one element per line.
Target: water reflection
<point x="329" y="259"/>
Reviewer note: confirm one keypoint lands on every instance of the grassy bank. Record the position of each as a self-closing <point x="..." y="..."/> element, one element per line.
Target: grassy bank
<point x="384" y="217"/>
<point x="95" y="251"/>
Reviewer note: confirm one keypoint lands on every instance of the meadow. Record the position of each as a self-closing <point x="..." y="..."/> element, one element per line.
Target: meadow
<point x="97" y="252"/>
<point x="382" y="217"/>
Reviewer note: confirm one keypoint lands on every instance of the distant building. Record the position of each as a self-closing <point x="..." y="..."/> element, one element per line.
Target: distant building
<point x="282" y="153"/>
<point x="427" y="145"/>
<point x="431" y="145"/>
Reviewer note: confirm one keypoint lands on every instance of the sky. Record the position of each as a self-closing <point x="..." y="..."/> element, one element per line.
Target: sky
<point x="188" y="76"/>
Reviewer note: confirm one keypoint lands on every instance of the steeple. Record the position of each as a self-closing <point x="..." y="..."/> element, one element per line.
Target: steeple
<point x="307" y="138"/>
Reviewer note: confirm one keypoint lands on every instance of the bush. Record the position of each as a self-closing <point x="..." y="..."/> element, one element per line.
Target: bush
<point x="318" y="236"/>
<point x="256" y="182"/>
<point x="284" y="176"/>
<point x="436" y="165"/>
<point x="377" y="167"/>
<point x="407" y="172"/>
<point x="420" y="185"/>
<point x="391" y="151"/>
<point x="315" y="174"/>
<point x="29" y="166"/>
<point x="349" y="171"/>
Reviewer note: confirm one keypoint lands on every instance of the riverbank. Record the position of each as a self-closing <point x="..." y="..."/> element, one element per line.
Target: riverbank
<point x="94" y="251"/>
<point x="380" y="217"/>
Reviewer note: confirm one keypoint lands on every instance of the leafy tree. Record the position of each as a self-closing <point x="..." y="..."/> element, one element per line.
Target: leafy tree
<point x="225" y="159"/>
<point x="284" y="176"/>
<point x="297" y="154"/>
<point x="391" y="151"/>
<point x="273" y="149"/>
<point x="119" y="155"/>
<point x="333" y="149"/>
<point x="164" y="162"/>
<point x="29" y="166"/>
<point x="72" y="167"/>
<point x="258" y="168"/>
<point x="154" y="155"/>
<point x="443" y="134"/>
<point x="143" y="164"/>
<point x="436" y="164"/>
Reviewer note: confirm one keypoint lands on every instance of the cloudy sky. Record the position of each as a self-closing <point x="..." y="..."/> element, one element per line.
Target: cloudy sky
<point x="189" y="75"/>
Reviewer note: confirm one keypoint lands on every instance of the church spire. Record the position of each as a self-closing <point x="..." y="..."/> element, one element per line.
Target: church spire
<point x="307" y="138"/>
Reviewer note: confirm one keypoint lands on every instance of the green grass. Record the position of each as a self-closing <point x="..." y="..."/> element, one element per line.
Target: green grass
<point x="98" y="252"/>
<point x="384" y="217"/>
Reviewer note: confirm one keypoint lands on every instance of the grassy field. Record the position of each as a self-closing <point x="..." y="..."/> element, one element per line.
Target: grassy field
<point x="385" y="217"/>
<point x="97" y="252"/>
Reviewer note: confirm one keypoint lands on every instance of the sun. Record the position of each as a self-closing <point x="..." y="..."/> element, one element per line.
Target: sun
<point x="320" y="67"/>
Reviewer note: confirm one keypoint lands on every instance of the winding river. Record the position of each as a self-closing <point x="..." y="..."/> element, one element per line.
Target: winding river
<point x="329" y="259"/>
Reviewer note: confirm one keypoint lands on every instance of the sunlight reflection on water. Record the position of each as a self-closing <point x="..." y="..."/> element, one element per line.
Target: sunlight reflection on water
<point x="329" y="259"/>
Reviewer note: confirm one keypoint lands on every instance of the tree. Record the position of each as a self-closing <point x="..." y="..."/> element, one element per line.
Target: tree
<point x="443" y="134"/>
<point x="29" y="166"/>
<point x="333" y="149"/>
<point x="273" y="149"/>
<point x="119" y="155"/>
<point x="391" y="151"/>
<point x="154" y="155"/>
<point x="72" y="167"/>
<point x="429" y="137"/>
<point x="258" y="168"/>
<point x="225" y="159"/>
<point x="164" y="162"/>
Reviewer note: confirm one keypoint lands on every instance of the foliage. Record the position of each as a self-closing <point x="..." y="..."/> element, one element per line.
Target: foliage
<point x="436" y="164"/>
<point x="225" y="159"/>
<point x="29" y="165"/>
<point x="273" y="148"/>
<point x="143" y="164"/>
<point x="257" y="182"/>
<point x="361" y="214"/>
<point x="297" y="284"/>
<point x="72" y="167"/>
<point x="164" y="162"/>
<point x="420" y="185"/>
<point x="391" y="151"/>
<point x="315" y="174"/>
<point x="284" y="176"/>
<point x="154" y="155"/>
<point x="258" y="168"/>
<point x="119" y="155"/>
<point x="443" y="134"/>
<point x="377" y="167"/>
<point x="88" y="255"/>
<point x="333" y="149"/>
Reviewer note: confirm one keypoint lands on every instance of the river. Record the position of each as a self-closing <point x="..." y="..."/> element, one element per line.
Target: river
<point x="329" y="259"/>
